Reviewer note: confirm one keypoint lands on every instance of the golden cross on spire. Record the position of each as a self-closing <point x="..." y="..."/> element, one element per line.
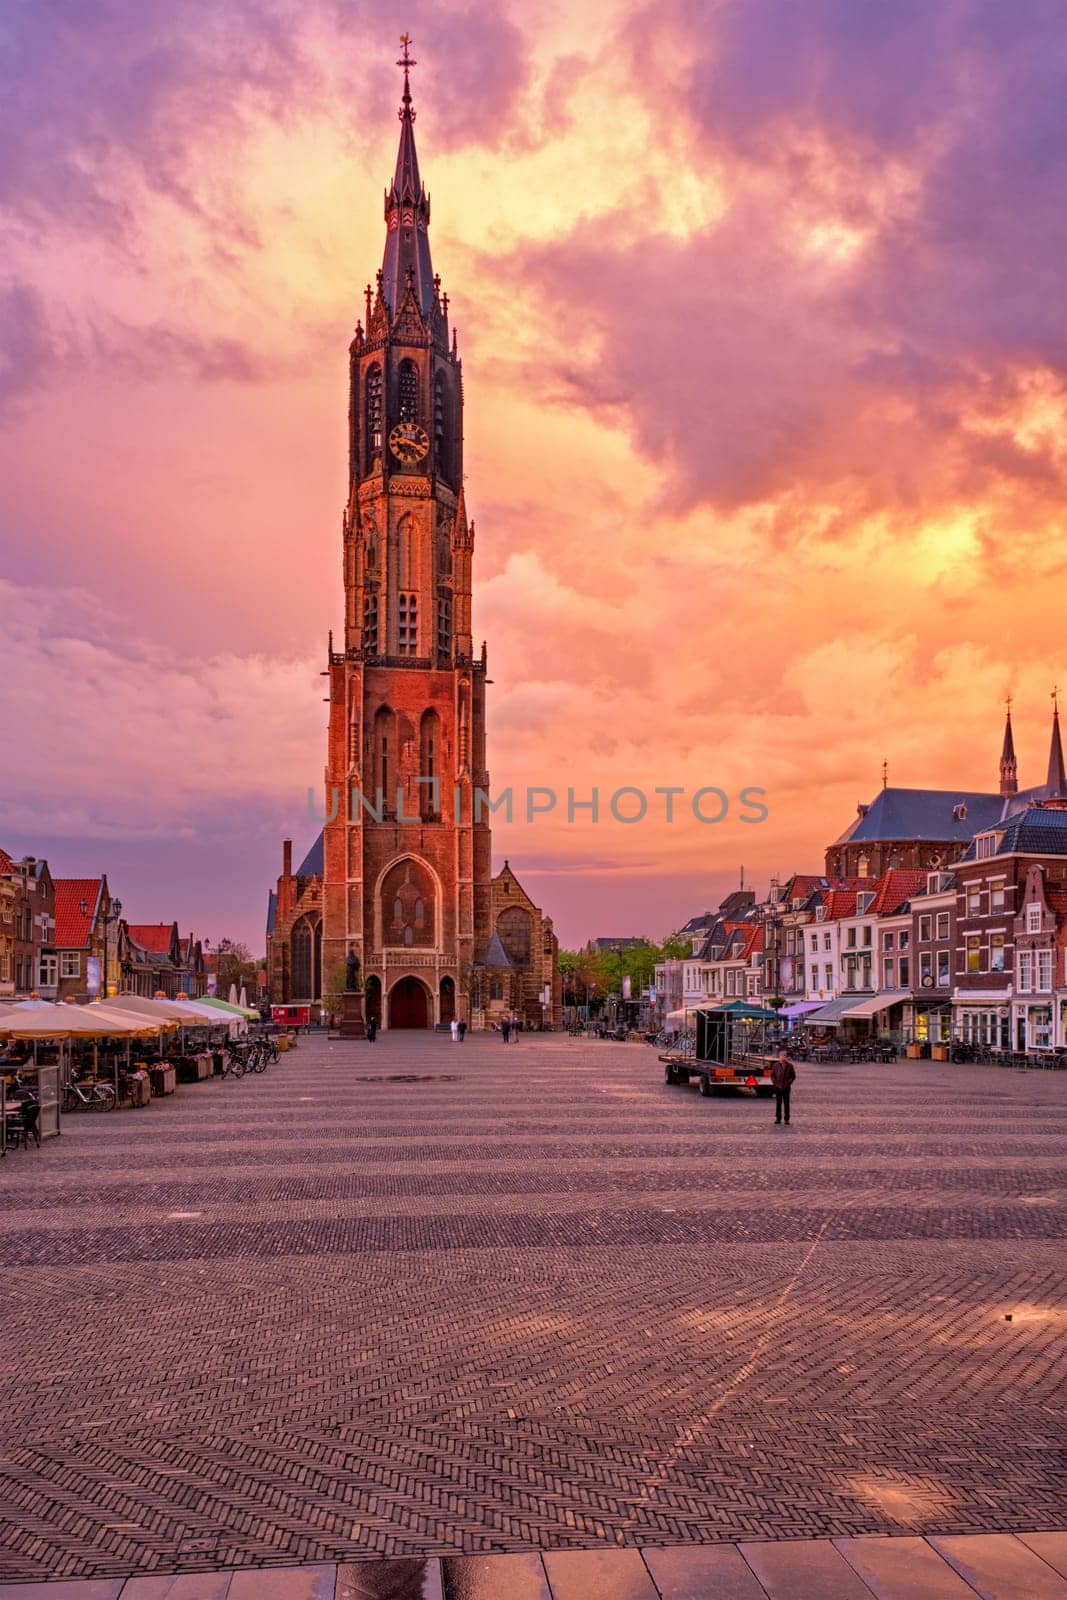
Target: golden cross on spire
<point x="407" y="61"/>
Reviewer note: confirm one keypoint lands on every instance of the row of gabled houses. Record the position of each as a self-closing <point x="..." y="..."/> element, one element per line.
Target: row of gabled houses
<point x="68" y="939"/>
<point x="959" y="933"/>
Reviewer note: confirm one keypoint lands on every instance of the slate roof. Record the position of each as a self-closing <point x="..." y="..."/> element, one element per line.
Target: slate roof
<point x="272" y="912"/>
<point x="73" y="926"/>
<point x="495" y="955"/>
<point x="925" y="814"/>
<point x="1035" y="831"/>
<point x="312" y="864"/>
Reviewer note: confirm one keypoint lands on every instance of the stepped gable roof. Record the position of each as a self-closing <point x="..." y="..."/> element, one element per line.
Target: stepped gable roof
<point x="942" y="815"/>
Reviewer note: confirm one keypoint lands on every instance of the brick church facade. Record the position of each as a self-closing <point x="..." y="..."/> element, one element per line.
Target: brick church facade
<point x="402" y="875"/>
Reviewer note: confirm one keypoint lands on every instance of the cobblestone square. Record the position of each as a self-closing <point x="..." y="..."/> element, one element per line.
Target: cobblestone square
<point x="418" y="1298"/>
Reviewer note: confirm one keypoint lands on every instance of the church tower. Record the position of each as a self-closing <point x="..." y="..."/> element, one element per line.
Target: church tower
<point x="406" y="844"/>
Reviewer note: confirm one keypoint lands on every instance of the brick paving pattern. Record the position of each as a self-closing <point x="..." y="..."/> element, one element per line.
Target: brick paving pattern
<point x="414" y="1299"/>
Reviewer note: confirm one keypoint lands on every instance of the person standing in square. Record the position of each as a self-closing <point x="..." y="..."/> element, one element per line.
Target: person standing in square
<point x="783" y="1076"/>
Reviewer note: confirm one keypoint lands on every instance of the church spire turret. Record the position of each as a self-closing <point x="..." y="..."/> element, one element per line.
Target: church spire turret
<point x="1057" y="774"/>
<point x="407" y="212"/>
<point x="1009" y="772"/>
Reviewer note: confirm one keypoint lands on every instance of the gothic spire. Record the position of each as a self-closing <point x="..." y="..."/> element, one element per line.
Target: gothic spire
<point x="1009" y="772"/>
<point x="407" y="212"/>
<point x="1057" y="774"/>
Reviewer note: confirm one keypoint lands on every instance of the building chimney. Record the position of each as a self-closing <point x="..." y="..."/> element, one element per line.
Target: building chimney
<point x="287" y="858"/>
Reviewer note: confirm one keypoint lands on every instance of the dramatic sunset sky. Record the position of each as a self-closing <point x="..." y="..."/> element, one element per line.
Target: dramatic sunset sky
<point x="762" y="312"/>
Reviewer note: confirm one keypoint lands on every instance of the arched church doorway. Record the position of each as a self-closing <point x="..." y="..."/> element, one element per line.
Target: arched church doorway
<point x="448" y="1000"/>
<point x="408" y="1006"/>
<point x="372" y="999"/>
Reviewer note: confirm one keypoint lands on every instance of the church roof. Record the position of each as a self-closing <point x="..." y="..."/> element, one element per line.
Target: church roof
<point x="311" y="866"/>
<point x="1057" y="775"/>
<point x="272" y="912"/>
<point x="495" y="955"/>
<point x="942" y="815"/>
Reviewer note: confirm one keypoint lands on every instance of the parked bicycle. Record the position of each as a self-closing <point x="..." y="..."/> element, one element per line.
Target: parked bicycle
<point x="88" y="1097"/>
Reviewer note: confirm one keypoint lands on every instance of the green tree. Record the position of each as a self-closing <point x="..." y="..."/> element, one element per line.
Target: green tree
<point x="234" y="968"/>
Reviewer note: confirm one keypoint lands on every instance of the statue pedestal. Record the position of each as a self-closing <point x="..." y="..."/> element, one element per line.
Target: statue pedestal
<point x="352" y="1024"/>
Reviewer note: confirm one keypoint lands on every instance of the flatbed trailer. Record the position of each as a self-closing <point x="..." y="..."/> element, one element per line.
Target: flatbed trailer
<point x="745" y="1072"/>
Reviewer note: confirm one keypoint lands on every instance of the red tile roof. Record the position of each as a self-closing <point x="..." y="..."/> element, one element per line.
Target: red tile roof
<point x="6" y="862"/>
<point x="839" y="903"/>
<point x="894" y="887"/>
<point x="152" y="935"/>
<point x="72" y="924"/>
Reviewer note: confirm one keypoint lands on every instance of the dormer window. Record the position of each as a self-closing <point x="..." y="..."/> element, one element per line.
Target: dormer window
<point x="863" y="901"/>
<point x="960" y="811"/>
<point x="985" y="845"/>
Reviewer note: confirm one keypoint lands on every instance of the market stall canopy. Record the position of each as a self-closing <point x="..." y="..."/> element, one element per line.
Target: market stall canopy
<point x="741" y="1011"/>
<point x="198" y="1015"/>
<point x="680" y="1016"/>
<point x="879" y="1002"/>
<point x="63" y="1022"/>
<point x="224" y="1005"/>
<point x="159" y="1010"/>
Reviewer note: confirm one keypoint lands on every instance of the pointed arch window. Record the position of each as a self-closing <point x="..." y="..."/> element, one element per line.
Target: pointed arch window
<point x="374" y="410"/>
<point x="444" y="625"/>
<point x="370" y="624"/>
<point x="408" y="392"/>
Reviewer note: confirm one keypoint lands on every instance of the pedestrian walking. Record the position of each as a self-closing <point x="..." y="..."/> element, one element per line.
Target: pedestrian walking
<point x="783" y="1076"/>
<point x="505" y="1028"/>
<point x="462" y="1029"/>
<point x="372" y="1029"/>
<point x="453" y="1029"/>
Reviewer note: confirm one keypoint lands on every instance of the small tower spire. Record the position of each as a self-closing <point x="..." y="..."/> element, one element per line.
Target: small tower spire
<point x="1009" y="772"/>
<point x="407" y="210"/>
<point x="1057" y="774"/>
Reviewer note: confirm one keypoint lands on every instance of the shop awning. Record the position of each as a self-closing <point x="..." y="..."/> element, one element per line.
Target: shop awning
<point x="878" y="1002"/>
<point x="829" y="1015"/>
<point x="224" y="1005"/>
<point x="801" y="1008"/>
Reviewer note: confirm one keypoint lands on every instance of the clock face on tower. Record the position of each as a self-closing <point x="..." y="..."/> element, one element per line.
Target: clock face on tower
<point x="409" y="442"/>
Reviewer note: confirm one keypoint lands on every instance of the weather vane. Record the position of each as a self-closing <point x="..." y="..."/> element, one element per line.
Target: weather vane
<point x="407" y="61"/>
